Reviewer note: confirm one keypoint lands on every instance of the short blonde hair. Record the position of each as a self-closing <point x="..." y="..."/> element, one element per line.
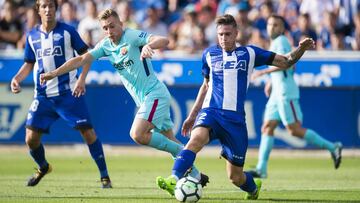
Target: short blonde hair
<point x="105" y="14"/>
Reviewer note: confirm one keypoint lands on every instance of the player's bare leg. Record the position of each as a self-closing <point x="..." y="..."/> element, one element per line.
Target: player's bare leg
<point x="266" y="145"/>
<point x="193" y="172"/>
<point x="199" y="138"/>
<point x="243" y="180"/>
<point x="314" y="138"/>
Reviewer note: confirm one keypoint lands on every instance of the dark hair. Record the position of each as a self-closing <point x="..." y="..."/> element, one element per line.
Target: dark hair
<point x="226" y="19"/>
<point x="282" y="19"/>
<point x="37" y="4"/>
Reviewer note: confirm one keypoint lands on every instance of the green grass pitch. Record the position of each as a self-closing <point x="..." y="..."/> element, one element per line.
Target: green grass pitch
<point x="75" y="178"/>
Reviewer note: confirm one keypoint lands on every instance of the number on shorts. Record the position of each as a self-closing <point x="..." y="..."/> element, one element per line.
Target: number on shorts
<point x="34" y="105"/>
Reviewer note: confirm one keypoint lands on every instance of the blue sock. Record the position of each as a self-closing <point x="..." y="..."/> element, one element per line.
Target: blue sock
<point x="313" y="138"/>
<point x="38" y="155"/>
<point x="184" y="161"/>
<point x="161" y="142"/>
<point x="266" y="145"/>
<point x="97" y="154"/>
<point x="249" y="185"/>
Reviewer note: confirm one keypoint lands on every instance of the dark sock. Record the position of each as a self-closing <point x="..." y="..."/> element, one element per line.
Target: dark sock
<point x="38" y="155"/>
<point x="97" y="153"/>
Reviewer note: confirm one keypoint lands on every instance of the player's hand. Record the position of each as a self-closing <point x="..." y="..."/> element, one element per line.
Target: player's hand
<point x="146" y="52"/>
<point x="187" y="126"/>
<point x="307" y="43"/>
<point x="79" y="89"/>
<point x="15" y="86"/>
<point x="267" y="89"/>
<point x="46" y="76"/>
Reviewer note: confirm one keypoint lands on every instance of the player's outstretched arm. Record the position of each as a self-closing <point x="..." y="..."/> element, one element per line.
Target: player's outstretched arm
<point x="189" y="122"/>
<point x="155" y="42"/>
<point x="67" y="67"/>
<point x="80" y="87"/>
<point x="259" y="73"/>
<point x="286" y="61"/>
<point x="24" y="71"/>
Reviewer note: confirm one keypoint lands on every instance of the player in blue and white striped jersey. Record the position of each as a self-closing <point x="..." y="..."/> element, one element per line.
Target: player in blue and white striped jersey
<point x="218" y="112"/>
<point x="48" y="46"/>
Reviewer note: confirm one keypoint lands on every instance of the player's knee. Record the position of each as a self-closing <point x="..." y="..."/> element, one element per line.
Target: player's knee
<point x="265" y="130"/>
<point x="138" y="138"/>
<point x="194" y="146"/>
<point x="197" y="142"/>
<point x="295" y="132"/>
<point x="88" y="135"/>
<point x="32" y="141"/>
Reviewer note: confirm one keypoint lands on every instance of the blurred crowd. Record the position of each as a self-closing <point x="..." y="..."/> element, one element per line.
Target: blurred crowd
<point x="190" y="24"/>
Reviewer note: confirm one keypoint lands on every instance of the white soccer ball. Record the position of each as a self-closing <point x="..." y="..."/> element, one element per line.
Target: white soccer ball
<point x="188" y="189"/>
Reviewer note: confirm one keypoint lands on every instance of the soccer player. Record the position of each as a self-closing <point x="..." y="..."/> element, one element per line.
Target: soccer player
<point x="218" y="112"/>
<point x="129" y="51"/>
<point x="283" y="104"/>
<point x="48" y="46"/>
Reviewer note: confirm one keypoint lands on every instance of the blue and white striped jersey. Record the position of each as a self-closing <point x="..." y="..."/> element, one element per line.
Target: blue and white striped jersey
<point x="229" y="75"/>
<point x="49" y="51"/>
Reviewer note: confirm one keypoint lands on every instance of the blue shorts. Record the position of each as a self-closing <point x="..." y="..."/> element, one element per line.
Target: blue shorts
<point x="46" y="110"/>
<point x="229" y="128"/>
<point x="287" y="111"/>
<point x="156" y="110"/>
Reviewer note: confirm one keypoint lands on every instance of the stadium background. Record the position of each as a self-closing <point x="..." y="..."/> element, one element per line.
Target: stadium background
<point x="330" y="93"/>
<point x="330" y="99"/>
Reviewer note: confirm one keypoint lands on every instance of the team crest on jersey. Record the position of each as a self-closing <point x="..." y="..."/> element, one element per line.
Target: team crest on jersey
<point x="123" y="51"/>
<point x="57" y="37"/>
<point x="218" y="65"/>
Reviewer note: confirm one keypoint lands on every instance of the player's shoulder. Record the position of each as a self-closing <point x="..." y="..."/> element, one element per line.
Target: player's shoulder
<point x="64" y="26"/>
<point x="33" y="30"/>
<point x="213" y="49"/>
<point x="251" y="49"/>
<point x="105" y="42"/>
<point x="132" y="32"/>
<point x="282" y="39"/>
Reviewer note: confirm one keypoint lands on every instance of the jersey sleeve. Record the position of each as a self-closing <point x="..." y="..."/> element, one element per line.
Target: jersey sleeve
<point x="262" y="56"/>
<point x="205" y="66"/>
<point x="29" y="55"/>
<point x="97" y="51"/>
<point x="76" y="42"/>
<point x="138" y="37"/>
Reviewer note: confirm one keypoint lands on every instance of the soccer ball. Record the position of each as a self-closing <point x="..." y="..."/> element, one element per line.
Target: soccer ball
<point x="188" y="189"/>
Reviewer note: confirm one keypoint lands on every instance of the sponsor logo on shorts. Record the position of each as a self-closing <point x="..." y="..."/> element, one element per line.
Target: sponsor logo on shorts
<point x="238" y="157"/>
